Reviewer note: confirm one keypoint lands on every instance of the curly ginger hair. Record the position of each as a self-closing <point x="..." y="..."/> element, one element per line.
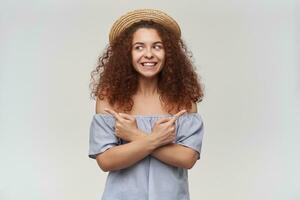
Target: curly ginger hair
<point x="116" y="80"/>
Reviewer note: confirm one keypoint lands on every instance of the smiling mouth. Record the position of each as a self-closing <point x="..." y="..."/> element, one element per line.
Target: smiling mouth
<point x="148" y="64"/>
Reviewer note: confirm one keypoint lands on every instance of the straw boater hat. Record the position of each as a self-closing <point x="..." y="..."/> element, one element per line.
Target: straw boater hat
<point x="132" y="17"/>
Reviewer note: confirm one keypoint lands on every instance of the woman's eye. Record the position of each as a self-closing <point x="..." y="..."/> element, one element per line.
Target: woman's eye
<point x="158" y="47"/>
<point x="138" y="47"/>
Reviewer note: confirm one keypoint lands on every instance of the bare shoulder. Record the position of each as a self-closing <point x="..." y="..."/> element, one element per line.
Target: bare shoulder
<point x="193" y="108"/>
<point x="101" y="105"/>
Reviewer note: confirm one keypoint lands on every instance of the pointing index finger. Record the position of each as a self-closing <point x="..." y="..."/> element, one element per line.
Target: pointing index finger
<point x="177" y="115"/>
<point x="180" y="113"/>
<point x="127" y="116"/>
<point x="113" y="113"/>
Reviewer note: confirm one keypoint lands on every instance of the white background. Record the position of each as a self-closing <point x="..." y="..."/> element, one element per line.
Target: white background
<point x="247" y="53"/>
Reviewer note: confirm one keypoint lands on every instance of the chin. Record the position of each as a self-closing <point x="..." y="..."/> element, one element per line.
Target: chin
<point x="148" y="74"/>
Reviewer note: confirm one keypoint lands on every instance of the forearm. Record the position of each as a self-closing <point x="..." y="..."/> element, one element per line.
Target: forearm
<point x="173" y="154"/>
<point x="125" y="155"/>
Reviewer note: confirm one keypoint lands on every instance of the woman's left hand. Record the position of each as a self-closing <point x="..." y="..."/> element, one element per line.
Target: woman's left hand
<point x="126" y="125"/>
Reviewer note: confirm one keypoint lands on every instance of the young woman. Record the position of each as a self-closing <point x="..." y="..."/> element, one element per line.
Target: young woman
<point x="146" y="131"/>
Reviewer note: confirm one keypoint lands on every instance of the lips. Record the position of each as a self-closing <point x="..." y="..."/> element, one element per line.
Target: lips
<point x="148" y="64"/>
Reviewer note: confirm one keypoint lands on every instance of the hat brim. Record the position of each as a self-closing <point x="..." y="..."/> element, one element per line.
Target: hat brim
<point x="132" y="17"/>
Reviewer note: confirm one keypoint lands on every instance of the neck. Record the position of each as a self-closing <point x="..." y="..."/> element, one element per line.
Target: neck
<point x="147" y="86"/>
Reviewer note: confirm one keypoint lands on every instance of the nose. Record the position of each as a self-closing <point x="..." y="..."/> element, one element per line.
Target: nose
<point x="148" y="53"/>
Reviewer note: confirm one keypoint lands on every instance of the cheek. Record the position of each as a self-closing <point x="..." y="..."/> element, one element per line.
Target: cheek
<point x="162" y="56"/>
<point x="135" y="56"/>
<point x="134" y="60"/>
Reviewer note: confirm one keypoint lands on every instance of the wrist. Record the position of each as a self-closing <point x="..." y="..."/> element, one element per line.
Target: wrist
<point x="150" y="138"/>
<point x="153" y="141"/>
<point x="138" y="134"/>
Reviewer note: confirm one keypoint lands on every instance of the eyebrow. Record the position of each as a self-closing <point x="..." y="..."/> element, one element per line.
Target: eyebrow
<point x="141" y="43"/>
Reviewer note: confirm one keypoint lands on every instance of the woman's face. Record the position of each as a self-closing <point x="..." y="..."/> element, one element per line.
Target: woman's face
<point x="148" y="54"/>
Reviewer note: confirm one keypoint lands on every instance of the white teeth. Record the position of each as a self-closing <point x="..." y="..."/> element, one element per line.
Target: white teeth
<point x="148" y="64"/>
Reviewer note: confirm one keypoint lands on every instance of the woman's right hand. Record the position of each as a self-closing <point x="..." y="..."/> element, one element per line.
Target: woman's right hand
<point x="163" y="131"/>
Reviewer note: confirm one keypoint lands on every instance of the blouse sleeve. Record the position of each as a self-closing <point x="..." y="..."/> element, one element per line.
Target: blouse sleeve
<point x="102" y="135"/>
<point x="190" y="131"/>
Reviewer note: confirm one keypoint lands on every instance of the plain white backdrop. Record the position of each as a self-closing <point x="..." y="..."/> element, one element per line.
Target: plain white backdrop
<point x="247" y="53"/>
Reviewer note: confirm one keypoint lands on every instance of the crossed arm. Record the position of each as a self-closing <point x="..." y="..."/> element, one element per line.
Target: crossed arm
<point x="125" y="155"/>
